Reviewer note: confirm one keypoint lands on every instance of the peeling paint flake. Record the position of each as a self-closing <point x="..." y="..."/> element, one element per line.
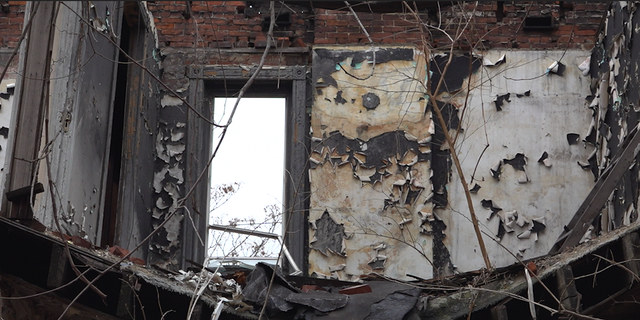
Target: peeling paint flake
<point x="170" y="101"/>
<point x="328" y="235"/>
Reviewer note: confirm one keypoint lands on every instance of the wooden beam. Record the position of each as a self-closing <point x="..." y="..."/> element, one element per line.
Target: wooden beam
<point x="631" y="251"/>
<point x="568" y="293"/>
<point x="58" y="267"/>
<point x="592" y="205"/>
<point x="30" y="104"/>
<point x="499" y="312"/>
<point x="126" y="302"/>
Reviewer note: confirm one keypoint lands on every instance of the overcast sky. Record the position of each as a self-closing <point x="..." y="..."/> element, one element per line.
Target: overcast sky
<point x="252" y="154"/>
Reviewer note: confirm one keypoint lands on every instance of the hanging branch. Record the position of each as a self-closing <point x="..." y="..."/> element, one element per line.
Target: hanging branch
<point x="449" y="140"/>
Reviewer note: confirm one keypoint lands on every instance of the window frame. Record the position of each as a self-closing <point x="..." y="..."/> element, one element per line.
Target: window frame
<point x="293" y="85"/>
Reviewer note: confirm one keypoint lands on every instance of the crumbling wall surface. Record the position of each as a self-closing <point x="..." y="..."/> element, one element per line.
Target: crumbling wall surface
<point x="369" y="176"/>
<point x="385" y="195"/>
<point x="615" y="104"/>
<point x="520" y="153"/>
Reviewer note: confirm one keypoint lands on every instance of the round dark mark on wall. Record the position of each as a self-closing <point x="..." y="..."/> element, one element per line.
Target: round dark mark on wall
<point x="370" y="100"/>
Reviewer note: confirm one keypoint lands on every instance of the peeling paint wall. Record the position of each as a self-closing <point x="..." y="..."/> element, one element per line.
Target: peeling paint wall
<point x="369" y="176"/>
<point x="7" y="90"/>
<point x="385" y="195"/>
<point x="81" y="93"/>
<point x="529" y="181"/>
<point x="615" y="103"/>
<point x="168" y="182"/>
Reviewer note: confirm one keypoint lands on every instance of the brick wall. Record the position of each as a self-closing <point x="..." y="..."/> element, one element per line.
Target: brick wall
<point x="233" y="24"/>
<point x="226" y="31"/>
<point x="488" y="25"/>
<point x="11" y="22"/>
<point x="223" y="28"/>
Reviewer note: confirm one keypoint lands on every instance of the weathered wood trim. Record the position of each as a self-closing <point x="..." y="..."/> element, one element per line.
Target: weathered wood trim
<point x="296" y="186"/>
<point x="126" y="303"/>
<point x="499" y="312"/>
<point x="135" y="198"/>
<point x="58" y="267"/>
<point x="198" y="149"/>
<point x="631" y="251"/>
<point x="208" y="72"/>
<point x="567" y="291"/>
<point x="30" y="104"/>
<point x="297" y="183"/>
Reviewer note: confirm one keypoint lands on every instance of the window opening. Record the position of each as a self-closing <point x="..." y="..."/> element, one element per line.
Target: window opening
<point x="247" y="180"/>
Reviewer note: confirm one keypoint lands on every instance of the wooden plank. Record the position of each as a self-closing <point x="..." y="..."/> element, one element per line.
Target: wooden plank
<point x="232" y="72"/>
<point x="499" y="312"/>
<point x="592" y="205"/>
<point x="631" y="252"/>
<point x="297" y="144"/>
<point x="135" y="196"/>
<point x="92" y="119"/>
<point x="296" y="236"/>
<point x="126" y="303"/>
<point x="199" y="151"/>
<point x="567" y="291"/>
<point x="58" y="267"/>
<point x="30" y="106"/>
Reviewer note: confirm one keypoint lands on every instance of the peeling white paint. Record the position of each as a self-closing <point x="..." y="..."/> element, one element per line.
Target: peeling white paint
<point x="175" y="149"/>
<point x="169" y="100"/>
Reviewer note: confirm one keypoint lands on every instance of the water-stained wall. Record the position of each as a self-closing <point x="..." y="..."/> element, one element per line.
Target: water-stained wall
<point x="369" y="176"/>
<point x="385" y="193"/>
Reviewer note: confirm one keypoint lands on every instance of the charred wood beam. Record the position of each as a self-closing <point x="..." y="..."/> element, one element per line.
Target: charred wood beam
<point x="631" y="251"/>
<point x="126" y="302"/>
<point x="30" y="104"/>
<point x="21" y="207"/>
<point x="58" y="267"/>
<point x="568" y="294"/>
<point x="598" y="196"/>
<point x="499" y="312"/>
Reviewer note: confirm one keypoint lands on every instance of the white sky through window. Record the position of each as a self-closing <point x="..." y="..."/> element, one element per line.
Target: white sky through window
<point x="251" y="154"/>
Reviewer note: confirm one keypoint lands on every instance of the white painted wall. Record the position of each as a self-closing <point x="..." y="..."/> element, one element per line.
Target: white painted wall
<point x="530" y="125"/>
<point x="6" y="106"/>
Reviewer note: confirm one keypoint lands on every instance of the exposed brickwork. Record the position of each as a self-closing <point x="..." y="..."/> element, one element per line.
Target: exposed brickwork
<point x="231" y="24"/>
<point x="11" y="22"/>
<point x="224" y="25"/>
<point x="219" y="27"/>
<point x="576" y="24"/>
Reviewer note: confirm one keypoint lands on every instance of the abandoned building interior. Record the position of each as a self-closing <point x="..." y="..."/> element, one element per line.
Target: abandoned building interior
<point x="442" y="160"/>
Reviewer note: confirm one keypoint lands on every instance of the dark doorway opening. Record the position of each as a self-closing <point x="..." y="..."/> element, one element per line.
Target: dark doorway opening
<point x="115" y="152"/>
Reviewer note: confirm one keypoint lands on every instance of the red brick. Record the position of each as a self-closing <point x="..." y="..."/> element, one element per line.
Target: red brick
<point x="81" y="242"/>
<point x="585" y="32"/>
<point x="337" y="23"/>
<point x="324" y="41"/>
<point x="363" y="288"/>
<point x="137" y="261"/>
<point x="182" y="44"/>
